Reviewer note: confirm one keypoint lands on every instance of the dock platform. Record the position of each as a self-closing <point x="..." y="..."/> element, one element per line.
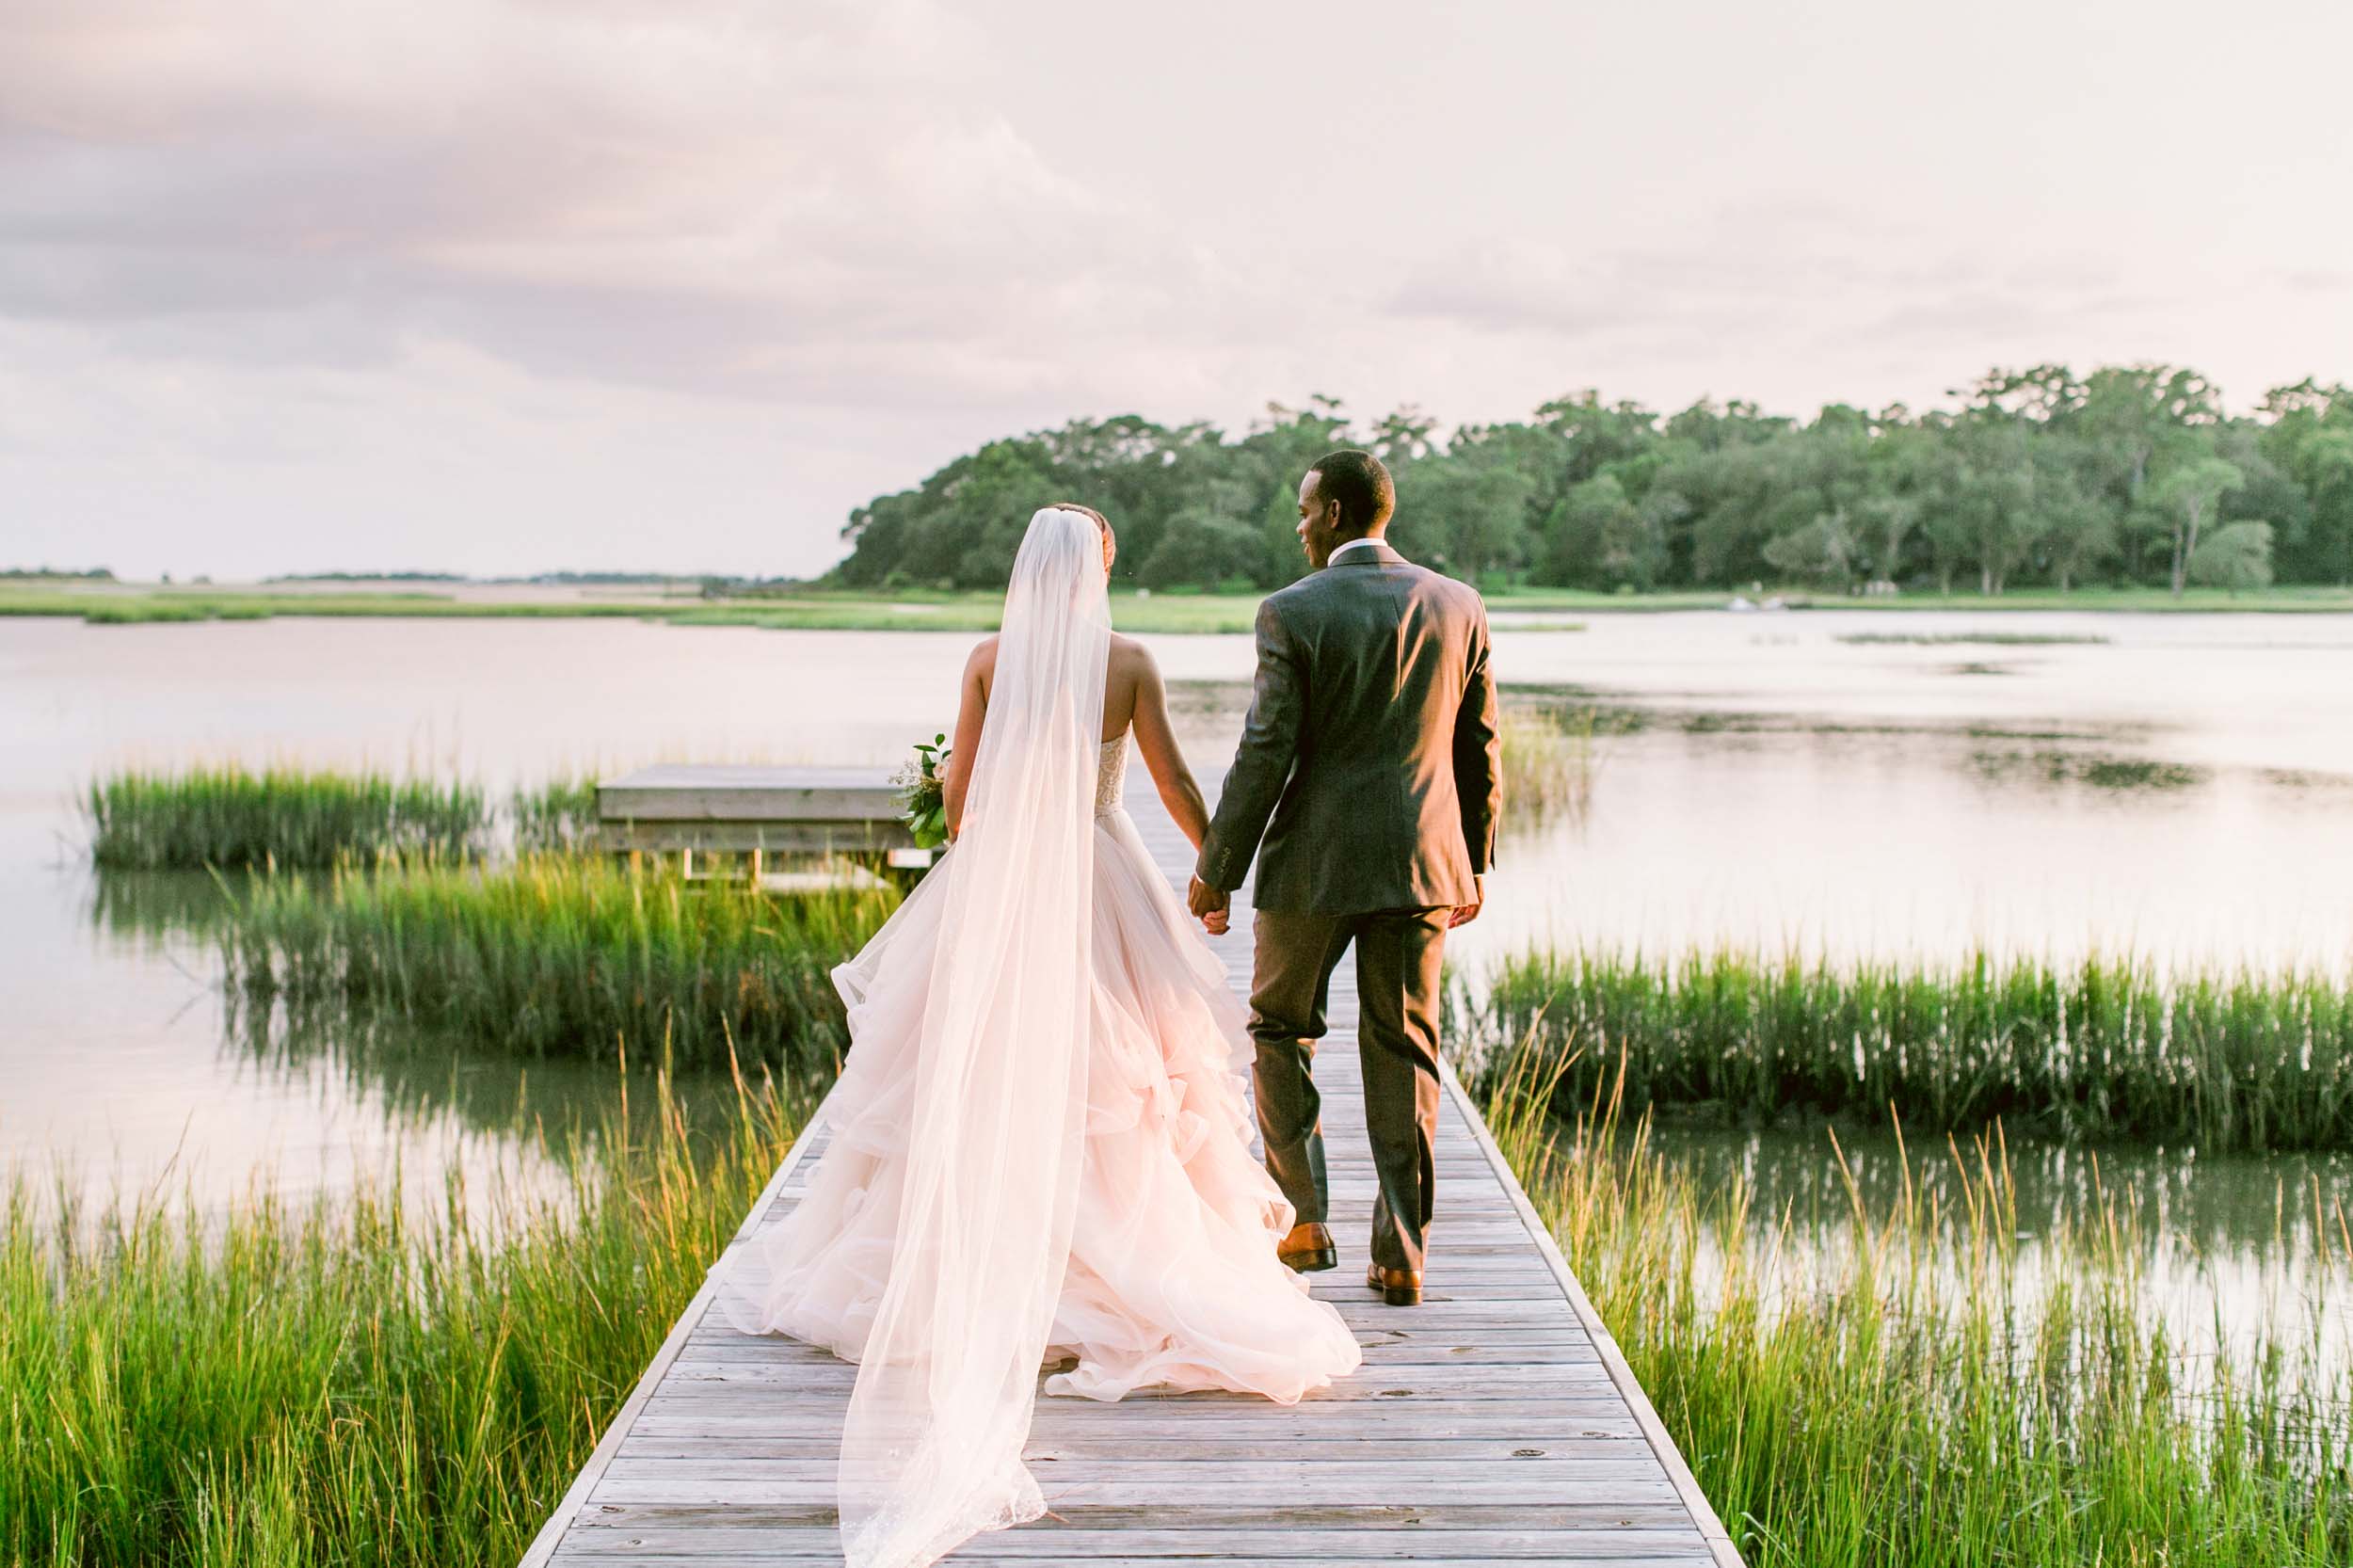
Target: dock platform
<point x="1495" y="1423"/>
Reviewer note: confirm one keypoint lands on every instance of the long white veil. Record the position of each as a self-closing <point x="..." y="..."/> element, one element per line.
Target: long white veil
<point x="931" y="1452"/>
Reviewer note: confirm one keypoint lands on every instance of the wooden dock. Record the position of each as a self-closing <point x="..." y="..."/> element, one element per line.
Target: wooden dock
<point x="1495" y="1423"/>
<point x="754" y="812"/>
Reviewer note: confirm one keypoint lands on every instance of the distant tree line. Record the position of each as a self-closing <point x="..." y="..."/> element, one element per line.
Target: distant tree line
<point x="2132" y="474"/>
<point x="96" y="574"/>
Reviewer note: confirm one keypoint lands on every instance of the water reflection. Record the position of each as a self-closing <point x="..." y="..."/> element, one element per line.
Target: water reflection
<point x="151" y="906"/>
<point x="2227" y="1248"/>
<point x="2092" y="771"/>
<point x="2291" y="1209"/>
<point x="420" y="1081"/>
<point x="2176" y="785"/>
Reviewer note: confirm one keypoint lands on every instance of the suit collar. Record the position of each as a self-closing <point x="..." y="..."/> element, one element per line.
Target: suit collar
<point x="1364" y="552"/>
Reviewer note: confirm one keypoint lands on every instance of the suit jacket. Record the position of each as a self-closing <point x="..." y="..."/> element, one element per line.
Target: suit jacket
<point x="1369" y="762"/>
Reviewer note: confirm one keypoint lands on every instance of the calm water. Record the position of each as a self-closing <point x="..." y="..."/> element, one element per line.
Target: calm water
<point x="2226" y="1247"/>
<point x="2183" y="787"/>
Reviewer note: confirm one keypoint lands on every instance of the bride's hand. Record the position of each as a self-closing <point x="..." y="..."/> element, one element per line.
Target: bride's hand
<point x="1214" y="910"/>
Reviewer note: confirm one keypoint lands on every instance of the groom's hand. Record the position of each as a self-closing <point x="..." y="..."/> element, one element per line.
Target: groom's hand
<point x="1465" y="913"/>
<point x="1208" y="906"/>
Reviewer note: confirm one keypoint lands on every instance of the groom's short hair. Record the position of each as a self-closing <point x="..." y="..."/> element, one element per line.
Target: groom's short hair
<point x="1360" y="483"/>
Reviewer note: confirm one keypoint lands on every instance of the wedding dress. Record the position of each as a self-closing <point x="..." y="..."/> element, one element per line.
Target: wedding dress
<point x="1040" y="1143"/>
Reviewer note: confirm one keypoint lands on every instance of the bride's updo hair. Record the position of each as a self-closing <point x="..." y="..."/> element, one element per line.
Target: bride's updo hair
<point x="1111" y="541"/>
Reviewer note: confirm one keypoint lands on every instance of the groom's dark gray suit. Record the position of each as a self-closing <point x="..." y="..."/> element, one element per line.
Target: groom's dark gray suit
<point x="1369" y="765"/>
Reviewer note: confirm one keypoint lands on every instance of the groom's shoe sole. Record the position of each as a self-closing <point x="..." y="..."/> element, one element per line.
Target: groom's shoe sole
<point x="1398" y="1287"/>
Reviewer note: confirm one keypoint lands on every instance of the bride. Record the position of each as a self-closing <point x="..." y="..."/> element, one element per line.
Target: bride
<point x="1041" y="1147"/>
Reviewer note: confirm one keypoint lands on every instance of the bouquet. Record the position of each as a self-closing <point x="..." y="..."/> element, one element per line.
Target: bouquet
<point x="923" y="792"/>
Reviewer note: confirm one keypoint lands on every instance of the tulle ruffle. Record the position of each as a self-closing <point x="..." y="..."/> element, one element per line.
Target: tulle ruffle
<point x="1173" y="1280"/>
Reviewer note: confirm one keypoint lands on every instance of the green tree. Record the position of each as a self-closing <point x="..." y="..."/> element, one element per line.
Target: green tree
<point x="1121" y="467"/>
<point x="1881" y="525"/>
<point x="2325" y="470"/>
<point x="2076" y="525"/>
<point x="2308" y="434"/>
<point x="1462" y="517"/>
<point x="2235" y="555"/>
<point x="1599" y="537"/>
<point x="1201" y="546"/>
<point x="2139" y="418"/>
<point x="2075" y="478"/>
<point x="2185" y="496"/>
<point x="2136" y="412"/>
<point x="1641" y="559"/>
<point x="1823" y="551"/>
<point x="1402" y="436"/>
<point x="1269" y="462"/>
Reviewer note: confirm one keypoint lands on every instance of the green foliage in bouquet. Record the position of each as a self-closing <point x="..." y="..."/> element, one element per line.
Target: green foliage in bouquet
<point x="923" y="792"/>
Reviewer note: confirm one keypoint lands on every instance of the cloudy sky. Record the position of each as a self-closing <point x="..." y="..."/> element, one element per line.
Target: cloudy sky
<point x="508" y="285"/>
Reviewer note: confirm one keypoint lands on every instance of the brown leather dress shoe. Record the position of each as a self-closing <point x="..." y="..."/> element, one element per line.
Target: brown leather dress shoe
<point x="1308" y="1249"/>
<point x="1398" y="1287"/>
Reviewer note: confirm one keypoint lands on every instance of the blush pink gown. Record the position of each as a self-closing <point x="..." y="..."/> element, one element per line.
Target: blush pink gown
<point x="1173" y="1279"/>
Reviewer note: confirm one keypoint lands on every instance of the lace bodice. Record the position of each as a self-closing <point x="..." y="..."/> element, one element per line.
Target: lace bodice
<point x="1110" y="775"/>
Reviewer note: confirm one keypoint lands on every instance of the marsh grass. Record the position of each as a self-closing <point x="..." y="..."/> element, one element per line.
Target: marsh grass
<point x="229" y="817"/>
<point x="143" y="606"/>
<point x="798" y="609"/>
<point x="558" y="816"/>
<point x="338" y="1382"/>
<point x="2106" y="1049"/>
<point x="815" y="608"/>
<point x="1861" y="1411"/>
<point x="1550" y="759"/>
<point x="2127" y="775"/>
<point x="558" y="955"/>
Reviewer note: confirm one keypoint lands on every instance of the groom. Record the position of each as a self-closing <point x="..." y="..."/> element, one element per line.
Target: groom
<point x="1369" y="765"/>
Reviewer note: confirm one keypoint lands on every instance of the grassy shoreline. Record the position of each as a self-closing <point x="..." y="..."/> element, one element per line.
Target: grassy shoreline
<point x="229" y="817"/>
<point x="2103" y="1049"/>
<point x="1165" y="613"/>
<point x="340" y="1383"/>
<point x="225" y="816"/>
<point x="337" y="1383"/>
<point x="559" y="956"/>
<point x="1861" y="1414"/>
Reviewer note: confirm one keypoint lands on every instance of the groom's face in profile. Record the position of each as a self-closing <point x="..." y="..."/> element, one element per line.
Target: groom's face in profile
<point x="1318" y="522"/>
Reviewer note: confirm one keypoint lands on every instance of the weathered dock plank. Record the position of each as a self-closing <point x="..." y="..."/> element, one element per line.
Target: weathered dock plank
<point x="1496" y="1423"/>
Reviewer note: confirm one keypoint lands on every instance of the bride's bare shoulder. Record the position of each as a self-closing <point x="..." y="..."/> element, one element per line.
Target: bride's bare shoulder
<point x="979" y="667"/>
<point x="1131" y="656"/>
<point x="1133" y="680"/>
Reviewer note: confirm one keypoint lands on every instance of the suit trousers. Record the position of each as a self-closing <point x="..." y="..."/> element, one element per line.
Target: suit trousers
<point x="1400" y="954"/>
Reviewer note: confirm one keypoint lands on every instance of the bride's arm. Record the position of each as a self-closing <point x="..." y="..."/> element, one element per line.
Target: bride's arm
<point x="971" y="709"/>
<point x="1157" y="740"/>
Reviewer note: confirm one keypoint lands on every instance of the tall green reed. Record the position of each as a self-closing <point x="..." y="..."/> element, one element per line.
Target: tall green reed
<point x="1921" y="1399"/>
<point x="558" y="816"/>
<point x="342" y="1381"/>
<point x="2104" y="1049"/>
<point x="1549" y="761"/>
<point x="226" y="816"/>
<point x="557" y="955"/>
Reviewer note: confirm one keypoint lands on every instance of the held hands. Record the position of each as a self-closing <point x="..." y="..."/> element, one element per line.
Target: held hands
<point x="1465" y="913"/>
<point x="1211" y="907"/>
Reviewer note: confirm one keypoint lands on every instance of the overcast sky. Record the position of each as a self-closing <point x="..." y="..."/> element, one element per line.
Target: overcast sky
<point x="509" y="285"/>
